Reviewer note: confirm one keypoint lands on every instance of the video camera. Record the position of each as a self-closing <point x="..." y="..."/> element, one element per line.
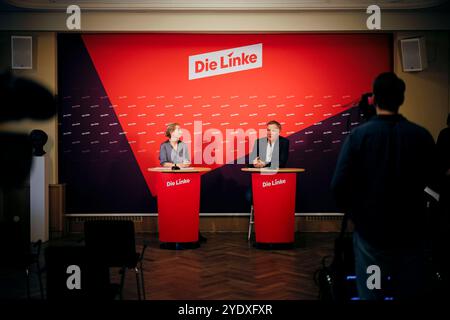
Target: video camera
<point x="366" y="106"/>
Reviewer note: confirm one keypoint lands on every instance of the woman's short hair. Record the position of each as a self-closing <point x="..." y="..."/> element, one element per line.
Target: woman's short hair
<point x="171" y="128"/>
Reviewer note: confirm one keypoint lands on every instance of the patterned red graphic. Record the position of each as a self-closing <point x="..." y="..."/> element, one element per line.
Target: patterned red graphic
<point x="304" y="79"/>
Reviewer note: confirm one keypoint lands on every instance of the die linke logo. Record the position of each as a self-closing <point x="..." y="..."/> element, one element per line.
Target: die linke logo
<point x="274" y="182"/>
<point x="177" y="182"/>
<point x="225" y="61"/>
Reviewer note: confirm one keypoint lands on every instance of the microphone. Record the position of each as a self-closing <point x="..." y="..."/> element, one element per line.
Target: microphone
<point x="175" y="167"/>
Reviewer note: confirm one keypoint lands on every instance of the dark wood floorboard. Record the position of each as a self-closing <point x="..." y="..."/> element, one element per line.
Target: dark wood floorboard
<point x="226" y="267"/>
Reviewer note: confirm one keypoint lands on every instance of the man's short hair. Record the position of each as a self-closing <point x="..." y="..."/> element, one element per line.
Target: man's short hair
<point x="389" y="91"/>
<point x="171" y="128"/>
<point x="275" y="123"/>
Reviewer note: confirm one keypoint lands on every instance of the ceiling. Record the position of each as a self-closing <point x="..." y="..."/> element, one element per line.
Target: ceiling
<point x="144" y="5"/>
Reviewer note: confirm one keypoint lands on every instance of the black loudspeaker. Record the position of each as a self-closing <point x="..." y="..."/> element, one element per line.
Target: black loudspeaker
<point x="21" y="52"/>
<point x="414" y="54"/>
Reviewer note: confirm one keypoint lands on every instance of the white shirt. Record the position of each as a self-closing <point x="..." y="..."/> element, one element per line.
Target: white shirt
<point x="269" y="151"/>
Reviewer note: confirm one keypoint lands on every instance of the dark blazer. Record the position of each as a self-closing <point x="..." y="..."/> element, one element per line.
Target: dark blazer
<point x="382" y="170"/>
<point x="279" y="156"/>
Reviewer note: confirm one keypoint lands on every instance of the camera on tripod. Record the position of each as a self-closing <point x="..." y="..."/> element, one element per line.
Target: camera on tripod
<point x="367" y="106"/>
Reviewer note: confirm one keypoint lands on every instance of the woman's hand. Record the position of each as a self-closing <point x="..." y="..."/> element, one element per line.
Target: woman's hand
<point x="167" y="164"/>
<point x="185" y="164"/>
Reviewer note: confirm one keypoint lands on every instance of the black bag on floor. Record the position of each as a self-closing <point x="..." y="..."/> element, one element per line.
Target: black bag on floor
<point x="336" y="277"/>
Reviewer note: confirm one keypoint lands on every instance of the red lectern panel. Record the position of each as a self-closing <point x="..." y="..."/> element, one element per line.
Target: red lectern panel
<point x="178" y="206"/>
<point x="274" y="205"/>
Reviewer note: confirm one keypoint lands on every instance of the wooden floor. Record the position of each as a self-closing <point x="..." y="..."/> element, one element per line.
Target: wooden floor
<point x="226" y="267"/>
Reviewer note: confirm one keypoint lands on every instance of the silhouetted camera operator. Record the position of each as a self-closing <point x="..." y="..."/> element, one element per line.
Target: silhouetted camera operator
<point x="383" y="168"/>
<point x="20" y="99"/>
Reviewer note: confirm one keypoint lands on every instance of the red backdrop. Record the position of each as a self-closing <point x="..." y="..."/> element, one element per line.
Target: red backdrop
<point x="304" y="79"/>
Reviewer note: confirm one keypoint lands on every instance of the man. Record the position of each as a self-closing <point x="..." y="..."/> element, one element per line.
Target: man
<point x="443" y="154"/>
<point x="440" y="257"/>
<point x="382" y="170"/>
<point x="271" y="151"/>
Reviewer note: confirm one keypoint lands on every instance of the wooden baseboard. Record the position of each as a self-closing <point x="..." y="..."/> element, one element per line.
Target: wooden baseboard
<point x="215" y="224"/>
<point x="60" y="224"/>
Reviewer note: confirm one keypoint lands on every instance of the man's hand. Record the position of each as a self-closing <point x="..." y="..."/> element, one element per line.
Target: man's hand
<point x="257" y="163"/>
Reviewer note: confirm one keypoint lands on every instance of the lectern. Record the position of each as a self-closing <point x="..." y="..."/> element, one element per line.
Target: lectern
<point x="178" y="198"/>
<point x="274" y="206"/>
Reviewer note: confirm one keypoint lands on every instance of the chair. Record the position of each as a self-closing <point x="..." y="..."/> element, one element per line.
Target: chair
<point x="17" y="252"/>
<point x="249" y="198"/>
<point x="112" y="242"/>
<point x="251" y="223"/>
<point x="94" y="277"/>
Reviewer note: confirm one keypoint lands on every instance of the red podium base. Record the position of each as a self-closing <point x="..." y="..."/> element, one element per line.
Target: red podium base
<point x="274" y="207"/>
<point x="178" y="196"/>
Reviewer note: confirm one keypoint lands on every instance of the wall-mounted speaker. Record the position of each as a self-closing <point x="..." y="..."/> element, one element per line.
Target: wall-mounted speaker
<point x="414" y="54"/>
<point x="21" y="52"/>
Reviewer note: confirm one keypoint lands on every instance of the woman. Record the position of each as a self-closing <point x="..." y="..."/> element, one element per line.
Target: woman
<point x="174" y="152"/>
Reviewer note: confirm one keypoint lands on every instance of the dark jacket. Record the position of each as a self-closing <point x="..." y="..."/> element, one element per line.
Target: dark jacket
<point x="280" y="153"/>
<point x="443" y="154"/>
<point x="382" y="170"/>
<point x="443" y="150"/>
